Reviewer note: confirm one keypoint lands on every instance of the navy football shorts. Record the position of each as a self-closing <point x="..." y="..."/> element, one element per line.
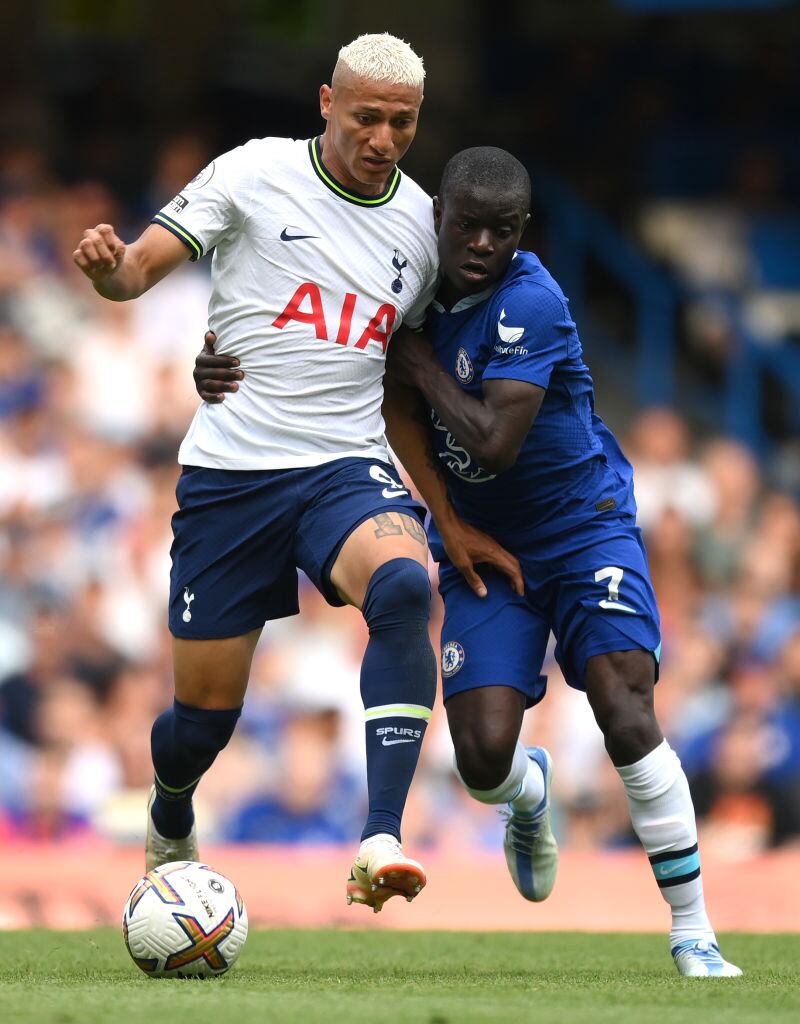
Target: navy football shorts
<point x="591" y="587"/>
<point x="241" y="535"/>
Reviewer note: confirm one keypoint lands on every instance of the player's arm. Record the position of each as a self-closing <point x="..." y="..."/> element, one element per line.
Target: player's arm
<point x="491" y="428"/>
<point x="119" y="271"/>
<point x="408" y="432"/>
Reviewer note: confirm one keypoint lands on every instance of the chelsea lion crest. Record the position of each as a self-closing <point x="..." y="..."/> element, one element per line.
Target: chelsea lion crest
<point x="452" y="658"/>
<point x="464" y="368"/>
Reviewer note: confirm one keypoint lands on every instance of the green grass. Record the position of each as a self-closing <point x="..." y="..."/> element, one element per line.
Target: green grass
<point x="393" y="978"/>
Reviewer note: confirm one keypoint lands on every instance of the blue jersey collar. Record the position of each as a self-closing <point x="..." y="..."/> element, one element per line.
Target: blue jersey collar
<point x="473" y="300"/>
<point x="468" y="301"/>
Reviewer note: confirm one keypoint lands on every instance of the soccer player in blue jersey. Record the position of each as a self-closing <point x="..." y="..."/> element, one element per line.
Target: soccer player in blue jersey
<point x="508" y="440"/>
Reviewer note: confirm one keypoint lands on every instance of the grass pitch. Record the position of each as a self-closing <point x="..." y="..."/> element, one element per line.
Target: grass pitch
<point x="394" y="978"/>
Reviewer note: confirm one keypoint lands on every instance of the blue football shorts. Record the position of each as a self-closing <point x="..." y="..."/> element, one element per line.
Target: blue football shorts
<point x="241" y="535"/>
<point x="591" y="587"/>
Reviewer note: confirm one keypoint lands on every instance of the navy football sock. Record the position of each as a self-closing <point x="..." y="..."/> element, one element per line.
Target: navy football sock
<point x="184" y="743"/>
<point x="398" y="686"/>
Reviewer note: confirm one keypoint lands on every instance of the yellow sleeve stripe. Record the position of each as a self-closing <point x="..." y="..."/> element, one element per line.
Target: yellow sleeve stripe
<point x="185" y="236"/>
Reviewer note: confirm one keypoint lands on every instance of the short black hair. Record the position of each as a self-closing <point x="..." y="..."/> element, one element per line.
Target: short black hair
<point x="487" y="167"/>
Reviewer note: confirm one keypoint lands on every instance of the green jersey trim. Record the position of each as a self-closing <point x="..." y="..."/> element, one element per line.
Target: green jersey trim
<point x="324" y="175"/>
<point x="188" y="239"/>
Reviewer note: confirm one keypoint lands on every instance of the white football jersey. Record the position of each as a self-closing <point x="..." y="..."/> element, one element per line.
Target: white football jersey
<point x="309" y="281"/>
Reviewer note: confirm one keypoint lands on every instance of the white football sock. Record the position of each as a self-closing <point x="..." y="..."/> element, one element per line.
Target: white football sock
<point x="663" y="818"/>
<point x="523" y="789"/>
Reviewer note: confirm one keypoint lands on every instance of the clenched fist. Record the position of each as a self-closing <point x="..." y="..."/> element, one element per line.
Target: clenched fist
<point x="100" y="252"/>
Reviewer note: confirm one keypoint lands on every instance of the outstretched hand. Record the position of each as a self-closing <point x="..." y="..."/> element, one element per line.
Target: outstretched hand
<point x="215" y="375"/>
<point x="467" y="547"/>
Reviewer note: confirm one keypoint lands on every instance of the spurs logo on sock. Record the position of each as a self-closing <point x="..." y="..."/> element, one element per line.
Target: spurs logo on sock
<point x="392" y="734"/>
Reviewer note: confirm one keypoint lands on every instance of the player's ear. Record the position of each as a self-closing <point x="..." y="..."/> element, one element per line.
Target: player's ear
<point x="325" y="101"/>
<point x="437" y="214"/>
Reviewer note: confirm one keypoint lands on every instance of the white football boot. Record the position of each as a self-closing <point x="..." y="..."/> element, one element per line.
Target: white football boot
<point x="698" y="959"/>
<point x="159" y="850"/>
<point x="381" y="870"/>
<point x="530" y="846"/>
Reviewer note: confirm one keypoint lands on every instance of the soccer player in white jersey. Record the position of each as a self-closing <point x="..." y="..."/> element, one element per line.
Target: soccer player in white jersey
<point x="321" y="249"/>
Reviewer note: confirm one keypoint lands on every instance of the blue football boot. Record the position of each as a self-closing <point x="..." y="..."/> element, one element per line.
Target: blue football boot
<point x="530" y="846"/>
<point x="699" y="959"/>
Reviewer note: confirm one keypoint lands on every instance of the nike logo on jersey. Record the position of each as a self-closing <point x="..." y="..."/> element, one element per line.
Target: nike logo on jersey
<point x="508" y="335"/>
<point x="392" y="743"/>
<point x="286" y="237"/>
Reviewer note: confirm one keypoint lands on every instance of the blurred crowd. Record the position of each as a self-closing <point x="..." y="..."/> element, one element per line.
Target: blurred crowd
<point x="94" y="399"/>
<point x="683" y="131"/>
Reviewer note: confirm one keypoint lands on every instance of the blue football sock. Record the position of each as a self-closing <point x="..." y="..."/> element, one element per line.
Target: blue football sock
<point x="398" y="686"/>
<point x="184" y="743"/>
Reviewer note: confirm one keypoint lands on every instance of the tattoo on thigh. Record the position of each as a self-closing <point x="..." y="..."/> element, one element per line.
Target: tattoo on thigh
<point x="386" y="526"/>
<point x="413" y="529"/>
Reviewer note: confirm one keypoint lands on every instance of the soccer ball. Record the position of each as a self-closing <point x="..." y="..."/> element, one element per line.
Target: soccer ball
<point x="184" y="920"/>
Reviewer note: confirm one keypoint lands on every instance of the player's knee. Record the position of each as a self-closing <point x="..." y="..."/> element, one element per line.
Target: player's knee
<point x="398" y="594"/>
<point x="484" y="753"/>
<point x="399" y="655"/>
<point x="630" y="734"/>
<point x="627" y="715"/>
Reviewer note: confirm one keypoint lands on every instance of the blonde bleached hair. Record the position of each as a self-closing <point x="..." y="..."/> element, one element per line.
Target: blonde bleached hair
<point x="382" y="58"/>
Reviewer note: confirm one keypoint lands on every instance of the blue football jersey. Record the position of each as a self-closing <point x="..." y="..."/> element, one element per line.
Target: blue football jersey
<point x="570" y="467"/>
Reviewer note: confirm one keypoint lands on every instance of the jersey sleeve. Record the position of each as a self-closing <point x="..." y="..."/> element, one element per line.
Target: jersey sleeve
<point x="212" y="206"/>
<point x="531" y="336"/>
